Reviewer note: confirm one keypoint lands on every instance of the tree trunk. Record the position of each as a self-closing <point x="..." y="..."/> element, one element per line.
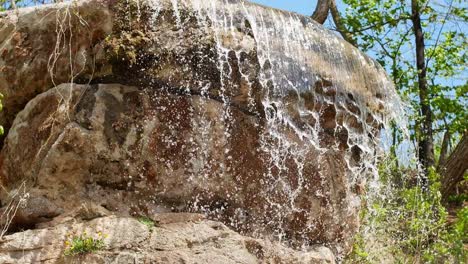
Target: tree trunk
<point x="444" y="148"/>
<point x="321" y="11"/>
<point x="426" y="146"/>
<point x="454" y="167"/>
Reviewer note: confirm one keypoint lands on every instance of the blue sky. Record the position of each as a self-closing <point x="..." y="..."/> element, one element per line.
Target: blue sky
<point x="305" y="7"/>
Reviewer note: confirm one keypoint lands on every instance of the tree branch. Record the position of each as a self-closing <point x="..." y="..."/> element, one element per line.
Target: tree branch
<point x="321" y="11"/>
<point x="396" y="20"/>
<point x="444" y="148"/>
<point x="340" y="25"/>
<point x="454" y="167"/>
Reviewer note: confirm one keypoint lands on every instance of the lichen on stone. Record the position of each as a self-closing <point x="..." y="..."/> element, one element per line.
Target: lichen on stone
<point x="126" y="46"/>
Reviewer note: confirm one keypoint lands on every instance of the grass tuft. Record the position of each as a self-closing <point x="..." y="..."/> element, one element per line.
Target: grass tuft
<point x="147" y="222"/>
<point x="82" y="244"/>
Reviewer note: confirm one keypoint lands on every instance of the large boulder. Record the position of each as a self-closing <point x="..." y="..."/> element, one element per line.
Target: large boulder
<point x="255" y="117"/>
<point x="43" y="47"/>
<point x="139" y="151"/>
<point x="235" y="49"/>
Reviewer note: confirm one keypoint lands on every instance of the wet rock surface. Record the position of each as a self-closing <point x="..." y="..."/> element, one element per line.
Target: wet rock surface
<point x="138" y="151"/>
<point x="186" y="46"/>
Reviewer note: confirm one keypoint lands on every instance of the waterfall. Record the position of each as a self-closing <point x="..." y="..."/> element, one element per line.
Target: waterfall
<point x="257" y="118"/>
<point x="320" y="102"/>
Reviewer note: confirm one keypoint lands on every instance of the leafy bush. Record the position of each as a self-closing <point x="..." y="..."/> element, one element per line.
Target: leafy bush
<point x="83" y="244"/>
<point x="451" y="242"/>
<point x="410" y="226"/>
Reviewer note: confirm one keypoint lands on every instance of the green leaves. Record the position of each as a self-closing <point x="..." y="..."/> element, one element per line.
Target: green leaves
<point x="383" y="29"/>
<point x="82" y="244"/>
<point x="412" y="223"/>
<point x="148" y="222"/>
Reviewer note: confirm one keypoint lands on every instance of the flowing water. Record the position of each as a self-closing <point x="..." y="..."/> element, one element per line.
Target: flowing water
<point x="293" y="54"/>
<point x="322" y="110"/>
<point x="287" y="123"/>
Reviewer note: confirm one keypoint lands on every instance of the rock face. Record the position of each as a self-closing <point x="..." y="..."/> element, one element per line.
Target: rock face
<point x="128" y="241"/>
<point x="132" y="149"/>
<point x="36" y="56"/>
<point x="255" y="117"/>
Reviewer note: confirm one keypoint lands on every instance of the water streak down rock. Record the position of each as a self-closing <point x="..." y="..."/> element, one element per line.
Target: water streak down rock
<point x="257" y="117"/>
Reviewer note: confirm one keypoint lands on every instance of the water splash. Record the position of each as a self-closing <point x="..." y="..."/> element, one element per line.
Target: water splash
<point x="321" y="103"/>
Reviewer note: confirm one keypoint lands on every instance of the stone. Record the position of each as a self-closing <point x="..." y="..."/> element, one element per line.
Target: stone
<point x="127" y="149"/>
<point x="126" y="240"/>
<point x="34" y="58"/>
<point x="107" y="44"/>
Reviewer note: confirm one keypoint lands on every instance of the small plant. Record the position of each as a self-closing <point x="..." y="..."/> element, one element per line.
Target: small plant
<point x="147" y="222"/>
<point x="359" y="253"/>
<point x="83" y="244"/>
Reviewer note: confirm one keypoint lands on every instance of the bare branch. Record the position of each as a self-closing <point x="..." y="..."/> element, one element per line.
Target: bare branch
<point x="321" y="11"/>
<point x="339" y="23"/>
<point x="444" y="148"/>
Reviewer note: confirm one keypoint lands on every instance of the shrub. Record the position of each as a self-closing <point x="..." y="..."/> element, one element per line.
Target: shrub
<point x="410" y="225"/>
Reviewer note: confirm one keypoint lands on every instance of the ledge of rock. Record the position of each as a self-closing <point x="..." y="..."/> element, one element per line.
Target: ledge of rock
<point x="179" y="239"/>
<point x="183" y="45"/>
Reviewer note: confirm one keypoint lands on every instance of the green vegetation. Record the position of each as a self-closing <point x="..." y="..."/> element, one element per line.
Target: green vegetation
<point x="411" y="226"/>
<point x="420" y="223"/>
<point x="83" y="244"/>
<point x="125" y="47"/>
<point x="359" y="253"/>
<point x="147" y="222"/>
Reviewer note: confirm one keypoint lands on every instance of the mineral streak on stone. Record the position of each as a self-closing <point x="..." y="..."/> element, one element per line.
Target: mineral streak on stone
<point x="256" y="117"/>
